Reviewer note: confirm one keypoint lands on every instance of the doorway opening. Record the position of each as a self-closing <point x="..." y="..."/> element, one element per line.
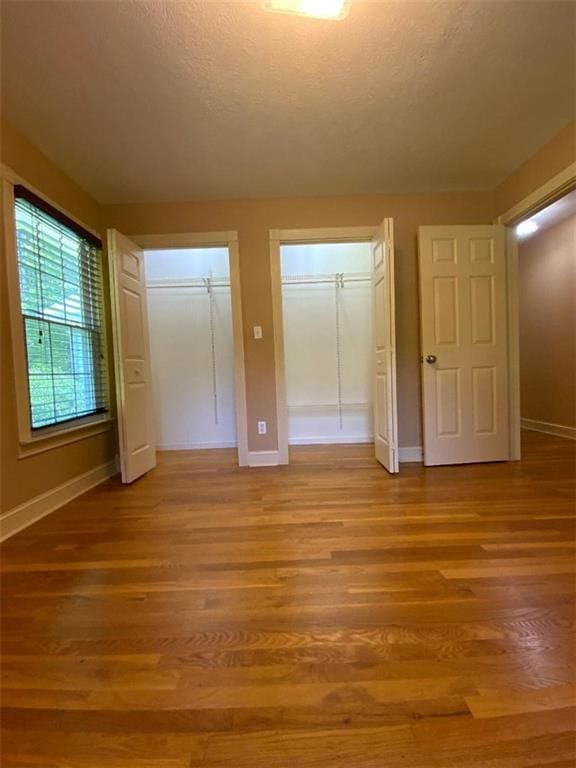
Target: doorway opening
<point x="379" y="243"/>
<point x="546" y="242"/>
<point x="327" y="323"/>
<point x="191" y="347"/>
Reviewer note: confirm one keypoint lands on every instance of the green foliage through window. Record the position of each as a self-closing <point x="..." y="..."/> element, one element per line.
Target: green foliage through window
<point x="62" y="310"/>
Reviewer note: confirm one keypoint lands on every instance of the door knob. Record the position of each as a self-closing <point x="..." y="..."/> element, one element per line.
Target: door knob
<point x="431" y="359"/>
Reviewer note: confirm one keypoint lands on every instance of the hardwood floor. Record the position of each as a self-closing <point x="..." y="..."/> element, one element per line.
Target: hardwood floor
<point x="318" y="615"/>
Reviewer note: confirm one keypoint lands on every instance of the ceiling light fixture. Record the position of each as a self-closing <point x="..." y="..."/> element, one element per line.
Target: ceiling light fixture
<point x="526" y="228"/>
<point x="317" y="9"/>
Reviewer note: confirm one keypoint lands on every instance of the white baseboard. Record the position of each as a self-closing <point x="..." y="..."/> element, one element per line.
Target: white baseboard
<point x="20" y="517"/>
<point x="550" y="429"/>
<point x="195" y="446"/>
<point x="263" y="458"/>
<point x="337" y="440"/>
<point x="411" y="454"/>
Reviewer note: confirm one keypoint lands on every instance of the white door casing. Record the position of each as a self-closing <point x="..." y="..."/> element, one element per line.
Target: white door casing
<point x="384" y="347"/>
<point x="464" y="347"/>
<point x="132" y="357"/>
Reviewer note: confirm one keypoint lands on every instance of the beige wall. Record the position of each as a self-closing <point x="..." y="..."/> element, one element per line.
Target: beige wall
<point x="254" y="218"/>
<point x="22" y="479"/>
<point x="547" y="295"/>
<point x="552" y="158"/>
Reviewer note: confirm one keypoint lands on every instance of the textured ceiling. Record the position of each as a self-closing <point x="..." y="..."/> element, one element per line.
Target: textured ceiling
<point x="151" y="101"/>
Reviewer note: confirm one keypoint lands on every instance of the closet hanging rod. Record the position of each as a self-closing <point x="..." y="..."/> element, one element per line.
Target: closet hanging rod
<point x="188" y="282"/>
<point x="326" y="279"/>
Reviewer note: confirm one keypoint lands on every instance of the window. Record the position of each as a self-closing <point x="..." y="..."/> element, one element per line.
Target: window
<point x="61" y="299"/>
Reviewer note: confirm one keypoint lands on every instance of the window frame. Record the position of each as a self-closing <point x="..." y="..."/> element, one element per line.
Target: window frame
<point x="31" y="440"/>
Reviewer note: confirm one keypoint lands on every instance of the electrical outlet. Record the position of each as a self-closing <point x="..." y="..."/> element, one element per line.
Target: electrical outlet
<point x="261" y="427"/>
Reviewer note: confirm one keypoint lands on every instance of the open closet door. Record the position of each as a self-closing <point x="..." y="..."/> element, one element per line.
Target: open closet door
<point x="132" y="357"/>
<point x="384" y="348"/>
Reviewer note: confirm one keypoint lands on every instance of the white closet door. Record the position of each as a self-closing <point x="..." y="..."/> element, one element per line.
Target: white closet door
<point x="385" y="401"/>
<point x="132" y="357"/>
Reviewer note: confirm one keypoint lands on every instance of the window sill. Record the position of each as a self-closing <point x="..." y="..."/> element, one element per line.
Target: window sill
<point x="56" y="437"/>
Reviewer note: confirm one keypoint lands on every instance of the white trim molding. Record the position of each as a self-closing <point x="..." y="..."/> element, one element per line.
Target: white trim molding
<point x="559" y="430"/>
<point x="264" y="459"/>
<point x="224" y="239"/>
<point x="513" y="319"/>
<point x="195" y="446"/>
<point x="277" y="237"/>
<point x="412" y="454"/>
<point x="186" y="240"/>
<point x="20" y="517"/>
<point x="278" y="326"/>
<point x="324" y="235"/>
<point x="554" y="188"/>
<point x="332" y="440"/>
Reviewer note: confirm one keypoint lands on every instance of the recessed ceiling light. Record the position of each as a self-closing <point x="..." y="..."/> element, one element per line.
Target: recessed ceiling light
<point x="318" y="9"/>
<point x="526" y="228"/>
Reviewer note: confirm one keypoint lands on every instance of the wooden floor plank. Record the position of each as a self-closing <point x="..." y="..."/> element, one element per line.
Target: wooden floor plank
<point x="550" y="698"/>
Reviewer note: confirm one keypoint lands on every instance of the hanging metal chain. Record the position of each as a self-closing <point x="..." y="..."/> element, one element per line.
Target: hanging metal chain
<point x="338" y="285"/>
<point x="211" y="309"/>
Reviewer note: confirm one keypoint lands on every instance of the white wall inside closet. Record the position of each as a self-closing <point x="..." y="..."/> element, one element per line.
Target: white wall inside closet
<point x="192" y="348"/>
<point x="327" y="314"/>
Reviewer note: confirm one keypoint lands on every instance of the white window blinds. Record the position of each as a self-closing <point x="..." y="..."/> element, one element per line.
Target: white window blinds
<point x="61" y="296"/>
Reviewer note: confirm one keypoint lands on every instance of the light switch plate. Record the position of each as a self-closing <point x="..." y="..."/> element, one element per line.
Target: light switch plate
<point x="257" y="331"/>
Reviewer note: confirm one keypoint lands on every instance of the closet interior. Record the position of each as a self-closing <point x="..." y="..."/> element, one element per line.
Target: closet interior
<point x="327" y="319"/>
<point x="191" y="347"/>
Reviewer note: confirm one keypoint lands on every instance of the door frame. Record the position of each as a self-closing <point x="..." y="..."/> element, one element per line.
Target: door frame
<point x="555" y="188"/>
<point x="277" y="238"/>
<point x="225" y="239"/>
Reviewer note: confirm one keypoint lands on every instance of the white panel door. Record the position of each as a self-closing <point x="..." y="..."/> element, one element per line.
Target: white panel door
<point x="464" y="344"/>
<point x="132" y="357"/>
<point x="384" y="348"/>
